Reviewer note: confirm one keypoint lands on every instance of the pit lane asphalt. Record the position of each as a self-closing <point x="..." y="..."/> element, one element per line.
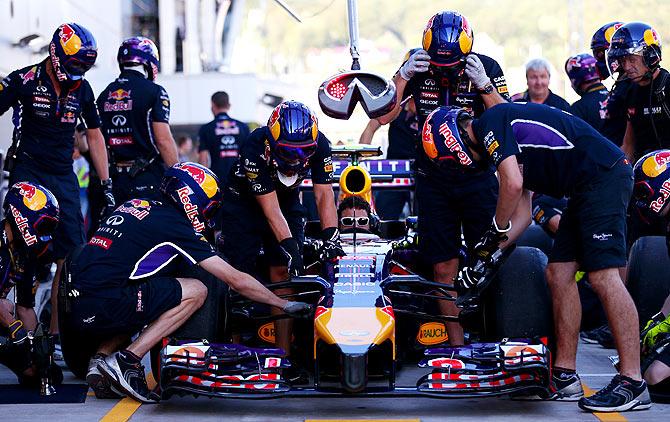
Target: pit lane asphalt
<point x="593" y="366"/>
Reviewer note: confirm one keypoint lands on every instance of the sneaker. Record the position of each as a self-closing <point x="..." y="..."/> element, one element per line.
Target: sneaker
<point x="126" y="375"/>
<point x="566" y="387"/>
<point x="592" y="336"/>
<point x="606" y="339"/>
<point x="99" y="384"/>
<point x="620" y="395"/>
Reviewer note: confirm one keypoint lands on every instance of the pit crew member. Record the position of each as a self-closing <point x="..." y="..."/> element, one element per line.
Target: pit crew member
<point x="125" y="277"/>
<point x="220" y="139"/>
<point x="31" y="217"/>
<point x="585" y="80"/>
<point x="450" y="200"/>
<point x="542" y="149"/>
<point x="48" y="98"/>
<point x="538" y="74"/>
<point x="135" y="113"/>
<point x="262" y="207"/>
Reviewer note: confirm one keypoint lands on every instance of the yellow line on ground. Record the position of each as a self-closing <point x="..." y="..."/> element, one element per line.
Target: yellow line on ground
<point x="604" y="416"/>
<point x="126" y="407"/>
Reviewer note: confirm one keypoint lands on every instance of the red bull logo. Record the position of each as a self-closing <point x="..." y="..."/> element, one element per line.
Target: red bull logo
<point x="656" y="164"/>
<point x="196" y="173"/>
<point x="427" y="138"/>
<point x="190" y="208"/>
<point x="22" y="224"/>
<point x="33" y="198"/>
<point x="452" y="143"/>
<point x="662" y="158"/>
<point x="69" y="40"/>
<point x="140" y="203"/>
<point x="119" y="95"/>
<point x="29" y="75"/>
<point x="206" y="181"/>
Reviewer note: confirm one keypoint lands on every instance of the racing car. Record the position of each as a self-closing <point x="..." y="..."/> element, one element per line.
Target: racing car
<point x="374" y="312"/>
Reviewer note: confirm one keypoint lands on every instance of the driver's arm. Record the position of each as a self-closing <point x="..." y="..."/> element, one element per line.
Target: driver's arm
<point x="400" y="84"/>
<point x="241" y="282"/>
<point x="325" y="204"/>
<point x="270" y="205"/>
<point x="511" y="189"/>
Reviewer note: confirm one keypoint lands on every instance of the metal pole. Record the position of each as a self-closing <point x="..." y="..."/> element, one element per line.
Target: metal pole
<point x="353" y="34"/>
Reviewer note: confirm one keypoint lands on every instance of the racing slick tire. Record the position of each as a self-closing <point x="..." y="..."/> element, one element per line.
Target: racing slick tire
<point x="535" y="236"/>
<point x="519" y="303"/>
<point x="648" y="277"/>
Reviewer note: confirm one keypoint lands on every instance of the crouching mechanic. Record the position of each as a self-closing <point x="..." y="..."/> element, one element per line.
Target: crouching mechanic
<point x="650" y="200"/>
<point x="262" y="206"/>
<point x="541" y="149"/>
<point x="31" y="217"/>
<point x="124" y="279"/>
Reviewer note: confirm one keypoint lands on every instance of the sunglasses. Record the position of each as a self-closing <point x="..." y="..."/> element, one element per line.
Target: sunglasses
<point x="349" y="221"/>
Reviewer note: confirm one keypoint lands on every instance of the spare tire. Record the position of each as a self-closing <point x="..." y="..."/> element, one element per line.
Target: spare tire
<point x="648" y="275"/>
<point x="518" y="304"/>
<point x="535" y="237"/>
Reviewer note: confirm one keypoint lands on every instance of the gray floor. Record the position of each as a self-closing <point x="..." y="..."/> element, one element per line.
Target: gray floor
<point x="593" y="366"/>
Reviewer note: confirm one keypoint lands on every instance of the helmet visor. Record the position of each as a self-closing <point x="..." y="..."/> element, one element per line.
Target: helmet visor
<point x="292" y="154"/>
<point x="76" y="68"/>
<point x="45" y="226"/>
<point x="643" y="191"/>
<point x="210" y="211"/>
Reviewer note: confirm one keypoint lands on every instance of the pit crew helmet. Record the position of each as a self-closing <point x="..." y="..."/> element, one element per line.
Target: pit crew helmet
<point x="194" y="189"/>
<point x="600" y="42"/>
<point x="293" y="136"/>
<point x="72" y="51"/>
<point x="33" y="214"/>
<point x="443" y="139"/>
<point x="448" y="40"/>
<point x="651" y="190"/>
<point x="139" y="51"/>
<point x="635" y="38"/>
<point x="581" y="68"/>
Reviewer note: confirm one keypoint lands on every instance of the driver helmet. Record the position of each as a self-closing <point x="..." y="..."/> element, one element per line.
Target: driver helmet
<point x="195" y="189"/>
<point x="448" y="40"/>
<point x="635" y="38"/>
<point x="600" y="42"/>
<point x="294" y="132"/>
<point x="139" y="51"/>
<point x="444" y="139"/>
<point x="581" y="68"/>
<point x="33" y="214"/>
<point x="651" y="190"/>
<point x="72" y="51"/>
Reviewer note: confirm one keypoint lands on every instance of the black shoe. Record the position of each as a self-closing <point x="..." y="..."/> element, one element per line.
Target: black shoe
<point x="126" y="374"/>
<point x="100" y="385"/>
<point x="606" y="339"/>
<point x="566" y="387"/>
<point x="593" y="336"/>
<point x="621" y="394"/>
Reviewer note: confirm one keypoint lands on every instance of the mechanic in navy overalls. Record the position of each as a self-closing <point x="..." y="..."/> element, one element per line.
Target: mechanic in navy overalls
<point x="450" y="200"/>
<point x="585" y="80"/>
<point x="261" y="207"/>
<point x="31" y="217"/>
<point x="541" y="149"/>
<point x="220" y="139"/>
<point x="48" y="98"/>
<point x="135" y="113"/>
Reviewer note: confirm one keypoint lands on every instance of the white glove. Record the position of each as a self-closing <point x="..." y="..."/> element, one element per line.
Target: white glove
<point x="417" y="63"/>
<point x="475" y="71"/>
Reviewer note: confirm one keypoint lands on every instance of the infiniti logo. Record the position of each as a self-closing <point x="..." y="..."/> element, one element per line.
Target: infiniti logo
<point x="119" y="120"/>
<point x="430" y="82"/>
<point x="114" y="220"/>
<point x="41" y="88"/>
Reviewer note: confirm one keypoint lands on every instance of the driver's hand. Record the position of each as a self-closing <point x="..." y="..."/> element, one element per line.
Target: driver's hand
<point x="417" y="63"/>
<point x="291" y="250"/>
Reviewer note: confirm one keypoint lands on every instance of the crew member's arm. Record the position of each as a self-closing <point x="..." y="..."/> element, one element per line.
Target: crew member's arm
<point x="241" y="282"/>
<point x="96" y="144"/>
<point x="203" y="148"/>
<point x="520" y="218"/>
<point x="270" y="205"/>
<point x="165" y="143"/>
<point x="325" y="204"/>
<point x="9" y="94"/>
<point x="400" y="85"/>
<point x="416" y="63"/>
<point x="369" y="131"/>
<point x="628" y="146"/>
<point x="511" y="189"/>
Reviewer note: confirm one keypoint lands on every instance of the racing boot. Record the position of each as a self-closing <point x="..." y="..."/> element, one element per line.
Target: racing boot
<point x="126" y="373"/>
<point x="621" y="394"/>
<point x="99" y="384"/>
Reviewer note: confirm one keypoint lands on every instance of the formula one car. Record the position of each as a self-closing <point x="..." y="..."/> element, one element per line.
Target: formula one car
<point x="374" y="313"/>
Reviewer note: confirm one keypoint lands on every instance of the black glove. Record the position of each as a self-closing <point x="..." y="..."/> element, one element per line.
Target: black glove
<point x="491" y="241"/>
<point x="110" y="202"/>
<point x="298" y="309"/>
<point x="330" y="249"/>
<point x="469" y="277"/>
<point x="291" y="249"/>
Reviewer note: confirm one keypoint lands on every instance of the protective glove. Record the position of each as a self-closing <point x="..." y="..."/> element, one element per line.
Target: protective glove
<point x="417" y="63"/>
<point x="469" y="277"/>
<point x="291" y="250"/>
<point x="298" y="309"/>
<point x="491" y="241"/>
<point x="474" y="69"/>
<point x="110" y="202"/>
<point x="655" y="327"/>
<point x="17" y="333"/>
<point x="330" y="249"/>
